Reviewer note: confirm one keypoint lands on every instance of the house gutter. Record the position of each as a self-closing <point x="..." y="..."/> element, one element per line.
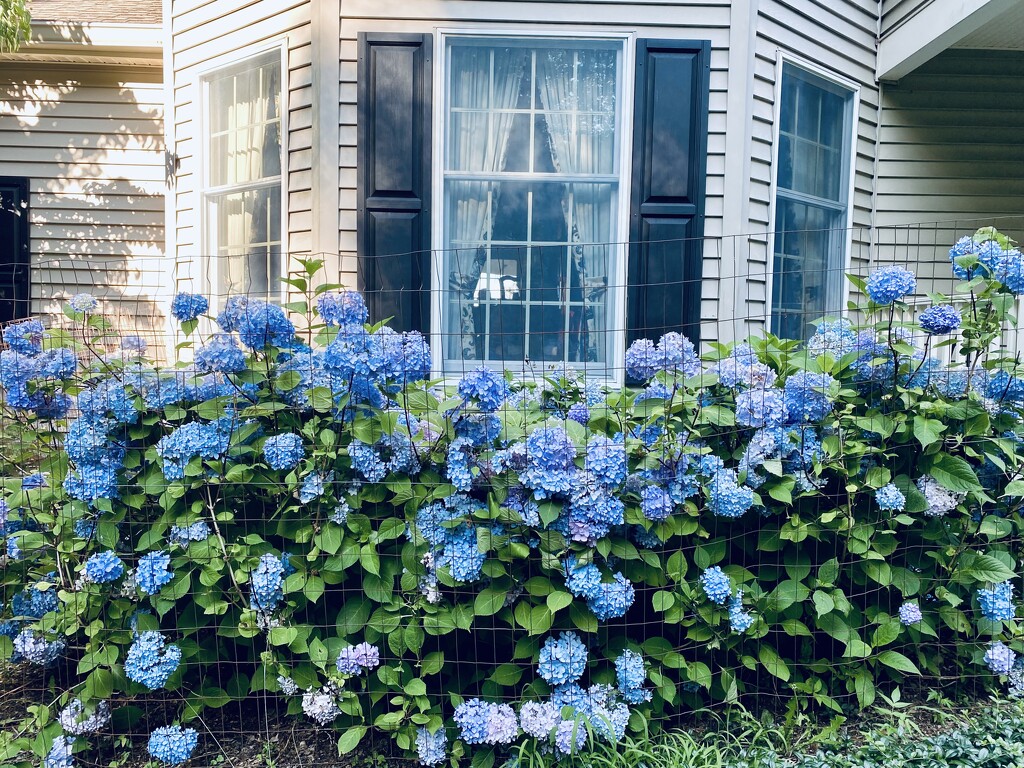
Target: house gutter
<point x="76" y="38"/>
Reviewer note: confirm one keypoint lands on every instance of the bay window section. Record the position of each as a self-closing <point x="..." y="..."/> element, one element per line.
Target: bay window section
<point x="531" y="187"/>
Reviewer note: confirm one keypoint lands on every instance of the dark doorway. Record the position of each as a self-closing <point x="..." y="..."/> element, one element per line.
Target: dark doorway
<point x="15" y="300"/>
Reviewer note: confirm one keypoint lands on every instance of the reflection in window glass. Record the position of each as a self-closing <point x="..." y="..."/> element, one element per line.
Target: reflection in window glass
<point x="530" y="199"/>
<point x="243" y="192"/>
<point x="812" y="179"/>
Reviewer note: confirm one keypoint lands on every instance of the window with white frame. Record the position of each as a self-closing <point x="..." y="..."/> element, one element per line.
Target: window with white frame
<point x="812" y="180"/>
<point x="531" y="199"/>
<point x="242" y="191"/>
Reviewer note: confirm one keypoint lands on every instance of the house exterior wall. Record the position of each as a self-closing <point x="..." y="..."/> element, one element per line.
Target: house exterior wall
<point x="705" y="20"/>
<point x="201" y="34"/>
<point x="896" y="12"/>
<point x="89" y="139"/>
<point x="951" y="155"/>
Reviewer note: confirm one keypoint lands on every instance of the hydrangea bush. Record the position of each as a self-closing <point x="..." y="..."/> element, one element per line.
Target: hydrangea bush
<point x="470" y="565"/>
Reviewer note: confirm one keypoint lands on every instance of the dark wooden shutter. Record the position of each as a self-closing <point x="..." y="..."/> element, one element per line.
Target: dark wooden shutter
<point x="15" y="301"/>
<point x="393" y="159"/>
<point x="670" y="128"/>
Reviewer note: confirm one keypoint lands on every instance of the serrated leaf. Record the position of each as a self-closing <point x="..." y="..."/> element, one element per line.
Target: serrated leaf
<point x="899" y="662"/>
<point x="954" y="474"/>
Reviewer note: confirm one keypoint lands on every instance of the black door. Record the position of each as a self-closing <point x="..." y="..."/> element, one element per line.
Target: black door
<point x="14" y="254"/>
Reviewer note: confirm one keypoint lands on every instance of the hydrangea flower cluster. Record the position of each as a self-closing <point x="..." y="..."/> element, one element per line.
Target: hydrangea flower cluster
<point x="940" y="500"/>
<point x="808" y="397"/>
<point x="940" y="320"/>
<point x="485" y="388"/>
<point x="172" y="744"/>
<point x="321" y="706"/>
<point x="35" y="648"/>
<point x="835" y="338"/>
<point x="284" y="451"/>
<point x="221" y="354"/>
<point x="357" y="659"/>
<point x="103" y="567"/>
<point x="997" y="603"/>
<point x="83" y="302"/>
<point x="674" y="354"/>
<point x="153" y="572"/>
<point x="1000" y="658"/>
<point x="890" y="284"/>
<point x="716" y="585"/>
<point x="482" y="722"/>
<point x="77" y="722"/>
<point x="631" y="676"/>
<point x="431" y="748"/>
<point x="190" y="441"/>
<point x="890" y="498"/>
<point x="910" y="613"/>
<point x="184" y="535"/>
<point x="550" y="467"/>
<point x="739" y="619"/>
<point x="563" y="660"/>
<point x="151" y="661"/>
<point x="266" y="584"/>
<point x="188" y="306"/>
<point x="344" y="308"/>
<point x="60" y="754"/>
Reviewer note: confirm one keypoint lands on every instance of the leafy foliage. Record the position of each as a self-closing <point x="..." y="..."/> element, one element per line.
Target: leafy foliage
<point x="392" y="553"/>
<point x="14" y="25"/>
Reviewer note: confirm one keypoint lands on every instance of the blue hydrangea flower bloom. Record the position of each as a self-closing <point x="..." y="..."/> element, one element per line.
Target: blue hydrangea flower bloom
<point x="183" y="535"/>
<point x="1010" y="271"/>
<point x="642" y="360"/>
<point x="591" y="513"/>
<point x="34" y="603"/>
<point x="613" y="599"/>
<point x="656" y="503"/>
<point x="28" y="483"/>
<point x="60" y="753"/>
<point x="890" y="498"/>
<point x="342" y="308"/>
<point x="550" y="454"/>
<point x="150" y="661"/>
<point x="890" y="284"/>
<point x="460" y="462"/>
<point x="940" y="319"/>
<point x="631" y="676"/>
<point x="605" y="461"/>
<point x="266" y="584"/>
<point x="578" y="412"/>
<point x="471" y="716"/>
<point x="188" y="306"/>
<point x="314" y="485"/>
<point x="485" y="387"/>
<point x="807" y="397"/>
<point x="761" y="408"/>
<point x="570" y="737"/>
<point x="1000" y="658"/>
<point x="284" y="451"/>
<point x="834" y="338"/>
<point x="539" y="718"/>
<point x="502" y="725"/>
<point x="261" y="324"/>
<point x="195" y="439"/>
<point x="461" y="554"/>
<point x="25" y="337"/>
<point x="134" y="345"/>
<point x="740" y="620"/>
<point x="480" y="429"/>
<point x="677" y="355"/>
<point x="716" y="585"/>
<point x="582" y="580"/>
<point x="103" y="567"/>
<point x="563" y="660"/>
<point x="108" y="397"/>
<point x="726" y="497"/>
<point x="910" y="613"/>
<point x="172" y="744"/>
<point x="431" y="748"/>
<point x="357" y="659"/>
<point x="221" y="354"/>
<point x="37" y="649"/>
<point x="997" y="603"/>
<point x="83" y="302"/>
<point x="153" y="572"/>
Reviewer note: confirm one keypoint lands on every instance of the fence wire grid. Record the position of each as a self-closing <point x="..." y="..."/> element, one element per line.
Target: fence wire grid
<point x="553" y="316"/>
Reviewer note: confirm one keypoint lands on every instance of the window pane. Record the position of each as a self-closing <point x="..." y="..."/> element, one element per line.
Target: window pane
<point x="245" y="123"/>
<point x="808" y="269"/>
<point x="247" y="226"/>
<point x="527" y="260"/>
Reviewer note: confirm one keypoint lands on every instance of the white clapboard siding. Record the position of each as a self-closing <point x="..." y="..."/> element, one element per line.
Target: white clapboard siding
<point x="89" y="139"/>
<point x="705" y="20"/>
<point x="896" y="12"/>
<point x="202" y="33"/>
<point x="839" y="37"/>
<point x="951" y="152"/>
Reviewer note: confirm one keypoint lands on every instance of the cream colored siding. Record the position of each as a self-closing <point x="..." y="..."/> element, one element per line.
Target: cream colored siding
<point x="89" y="139"/>
<point x="202" y="34"/>
<point x="951" y="153"/>
<point x="896" y="12"/>
<point x="706" y="20"/>
<point x="838" y="37"/>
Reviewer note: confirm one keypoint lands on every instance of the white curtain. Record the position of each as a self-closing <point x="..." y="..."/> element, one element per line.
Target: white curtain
<point x="485" y="81"/>
<point x="577" y="90"/>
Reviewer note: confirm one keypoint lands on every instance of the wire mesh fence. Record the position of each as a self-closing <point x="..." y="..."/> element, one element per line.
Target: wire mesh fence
<point x="266" y="515"/>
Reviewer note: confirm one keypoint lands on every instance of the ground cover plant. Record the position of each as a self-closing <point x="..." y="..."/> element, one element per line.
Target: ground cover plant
<point x="475" y="565"/>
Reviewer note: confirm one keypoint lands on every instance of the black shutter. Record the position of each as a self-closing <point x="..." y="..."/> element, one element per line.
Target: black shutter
<point x="393" y="159"/>
<point x="670" y="128"/>
<point x="14" y="249"/>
